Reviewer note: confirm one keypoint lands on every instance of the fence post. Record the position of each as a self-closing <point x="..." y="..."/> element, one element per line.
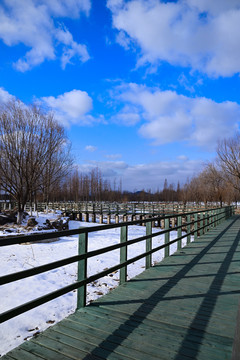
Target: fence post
<point x="206" y="222"/>
<point x="188" y="229"/>
<point x="220" y="215"/>
<point x="179" y="232"/>
<point x="123" y="254"/>
<point x="148" y="244"/>
<point x="229" y="212"/>
<point x="210" y="219"/>
<point x="166" y="249"/>
<point x="201" y="224"/>
<point x="215" y="218"/>
<point x="82" y="270"/>
<point x="195" y="226"/>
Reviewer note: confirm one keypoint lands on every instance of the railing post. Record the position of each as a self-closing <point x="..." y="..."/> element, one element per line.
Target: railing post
<point x="221" y="215"/>
<point x="167" y="237"/>
<point x="212" y="218"/>
<point x="188" y="229"/>
<point x="206" y="222"/>
<point x="215" y="217"/>
<point x="82" y="270"/>
<point x="201" y="224"/>
<point x="148" y="244"/>
<point x="195" y="226"/>
<point x="123" y="254"/>
<point x="179" y="232"/>
<point x="228" y="212"/>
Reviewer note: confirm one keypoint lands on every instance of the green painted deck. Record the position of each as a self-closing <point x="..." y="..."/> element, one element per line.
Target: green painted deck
<point x="183" y="308"/>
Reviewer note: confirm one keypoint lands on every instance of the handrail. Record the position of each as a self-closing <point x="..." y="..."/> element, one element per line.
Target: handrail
<point x="105" y="207"/>
<point x="203" y="220"/>
<point x="12" y="240"/>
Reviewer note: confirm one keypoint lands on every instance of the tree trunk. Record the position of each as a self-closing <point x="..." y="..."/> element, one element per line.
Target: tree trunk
<point x="19" y="217"/>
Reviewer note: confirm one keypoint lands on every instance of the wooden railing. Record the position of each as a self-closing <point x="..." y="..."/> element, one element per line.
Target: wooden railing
<point x="131" y="208"/>
<point x="194" y="223"/>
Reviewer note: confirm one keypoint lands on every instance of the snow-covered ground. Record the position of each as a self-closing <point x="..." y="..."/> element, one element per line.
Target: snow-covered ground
<point x="20" y="257"/>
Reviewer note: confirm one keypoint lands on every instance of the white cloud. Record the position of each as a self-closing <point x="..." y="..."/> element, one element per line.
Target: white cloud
<point x="152" y="175"/>
<point x="31" y="22"/>
<point x="128" y="116"/>
<point x="170" y="117"/>
<point x="90" y="148"/>
<point x="71" y="49"/>
<point x="201" y="34"/>
<point x="108" y="168"/>
<point x="5" y="96"/>
<point x="70" y="8"/>
<point x="71" y="107"/>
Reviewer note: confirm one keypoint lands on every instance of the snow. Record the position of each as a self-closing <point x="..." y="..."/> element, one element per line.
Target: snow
<point x="21" y="257"/>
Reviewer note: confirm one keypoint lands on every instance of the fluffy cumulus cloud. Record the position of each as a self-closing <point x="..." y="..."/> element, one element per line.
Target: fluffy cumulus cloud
<point x="201" y="34"/>
<point x="37" y="25"/>
<point x="167" y="116"/>
<point x="71" y="107"/>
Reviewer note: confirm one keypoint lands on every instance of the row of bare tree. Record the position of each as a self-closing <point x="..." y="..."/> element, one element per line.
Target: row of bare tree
<point x="220" y="179"/>
<point x="92" y="186"/>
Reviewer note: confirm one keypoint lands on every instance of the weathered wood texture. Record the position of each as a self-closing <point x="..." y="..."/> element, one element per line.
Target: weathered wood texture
<point x="183" y="308"/>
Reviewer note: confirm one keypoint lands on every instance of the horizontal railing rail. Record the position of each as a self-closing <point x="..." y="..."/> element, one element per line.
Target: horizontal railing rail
<point x="195" y="223"/>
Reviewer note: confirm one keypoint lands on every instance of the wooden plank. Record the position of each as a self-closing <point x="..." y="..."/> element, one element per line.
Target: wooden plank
<point x="40" y="350"/>
<point x="73" y="348"/>
<point x="164" y="334"/>
<point x="104" y="346"/>
<point x="8" y="357"/>
<point x="21" y="354"/>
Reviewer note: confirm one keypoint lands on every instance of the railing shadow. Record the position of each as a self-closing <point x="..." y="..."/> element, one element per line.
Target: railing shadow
<point x="209" y="299"/>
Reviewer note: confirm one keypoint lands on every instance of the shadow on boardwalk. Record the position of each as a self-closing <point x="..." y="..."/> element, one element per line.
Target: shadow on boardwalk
<point x="204" y="308"/>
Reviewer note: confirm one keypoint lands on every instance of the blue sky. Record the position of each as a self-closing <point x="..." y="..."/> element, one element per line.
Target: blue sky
<point x="144" y="88"/>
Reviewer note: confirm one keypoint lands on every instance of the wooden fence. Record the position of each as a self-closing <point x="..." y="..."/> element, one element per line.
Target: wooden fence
<point x="85" y="211"/>
<point x="195" y="223"/>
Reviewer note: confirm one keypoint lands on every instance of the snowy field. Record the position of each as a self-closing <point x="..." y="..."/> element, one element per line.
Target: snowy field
<point x="21" y="257"/>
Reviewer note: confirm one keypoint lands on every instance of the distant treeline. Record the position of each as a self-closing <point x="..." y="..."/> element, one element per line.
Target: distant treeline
<point x="210" y="185"/>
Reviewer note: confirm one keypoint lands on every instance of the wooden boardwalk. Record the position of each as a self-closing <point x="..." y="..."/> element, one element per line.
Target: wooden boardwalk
<point x="183" y="308"/>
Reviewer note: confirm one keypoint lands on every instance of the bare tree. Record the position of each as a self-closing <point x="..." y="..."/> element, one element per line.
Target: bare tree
<point x="228" y="152"/>
<point x="215" y="182"/>
<point x="59" y="161"/>
<point x="34" y="152"/>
